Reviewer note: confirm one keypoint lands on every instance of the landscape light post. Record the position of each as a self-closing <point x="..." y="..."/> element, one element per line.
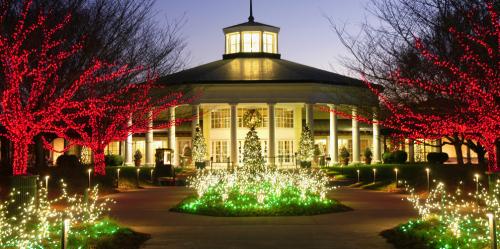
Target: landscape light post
<point x="476" y="179"/>
<point x="118" y="177"/>
<point x="358" y="174"/>
<point x="374" y="175"/>
<point x="89" y="171"/>
<point x="493" y="230"/>
<point x="47" y="183"/>
<point x="427" y="170"/>
<point x="137" y="177"/>
<point x="64" y="233"/>
<point x="396" y="171"/>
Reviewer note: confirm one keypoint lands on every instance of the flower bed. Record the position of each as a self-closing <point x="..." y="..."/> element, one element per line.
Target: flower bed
<point x="448" y="220"/>
<point x="267" y="193"/>
<point x="38" y="223"/>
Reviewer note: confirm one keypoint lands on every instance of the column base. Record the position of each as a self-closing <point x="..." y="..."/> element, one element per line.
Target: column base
<point x="129" y="164"/>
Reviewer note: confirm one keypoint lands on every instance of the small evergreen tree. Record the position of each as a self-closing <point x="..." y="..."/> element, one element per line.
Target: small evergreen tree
<point x="252" y="152"/>
<point x="199" y="146"/>
<point x="306" y="146"/>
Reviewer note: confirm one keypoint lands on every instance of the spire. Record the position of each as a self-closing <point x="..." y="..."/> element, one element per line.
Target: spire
<point x="250" y="18"/>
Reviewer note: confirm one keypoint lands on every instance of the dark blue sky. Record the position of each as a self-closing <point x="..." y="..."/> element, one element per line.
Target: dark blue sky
<point x="306" y="36"/>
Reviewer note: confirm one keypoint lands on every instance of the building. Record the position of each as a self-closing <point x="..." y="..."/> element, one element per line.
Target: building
<point x="252" y="75"/>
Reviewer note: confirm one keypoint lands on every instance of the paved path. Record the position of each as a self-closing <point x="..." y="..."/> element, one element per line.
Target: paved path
<point x="147" y="211"/>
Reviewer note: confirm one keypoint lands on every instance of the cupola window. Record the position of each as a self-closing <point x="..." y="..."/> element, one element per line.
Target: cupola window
<point x="251" y="42"/>
<point x="232" y="43"/>
<point x="269" y="42"/>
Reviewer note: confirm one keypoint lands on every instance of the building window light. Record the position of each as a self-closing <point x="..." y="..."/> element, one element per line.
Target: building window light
<point x="251" y="42"/>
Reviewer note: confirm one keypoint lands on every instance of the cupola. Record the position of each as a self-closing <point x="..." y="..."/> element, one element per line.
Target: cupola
<point x="251" y="39"/>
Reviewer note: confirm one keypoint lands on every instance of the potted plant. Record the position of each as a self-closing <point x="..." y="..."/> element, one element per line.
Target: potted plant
<point x="368" y="156"/>
<point x="344" y="156"/>
<point x="137" y="158"/>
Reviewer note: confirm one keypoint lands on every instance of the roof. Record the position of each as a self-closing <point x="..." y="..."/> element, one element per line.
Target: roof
<point x="257" y="70"/>
<point x="251" y="24"/>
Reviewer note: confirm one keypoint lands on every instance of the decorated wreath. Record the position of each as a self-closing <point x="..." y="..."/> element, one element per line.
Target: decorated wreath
<point x="252" y="118"/>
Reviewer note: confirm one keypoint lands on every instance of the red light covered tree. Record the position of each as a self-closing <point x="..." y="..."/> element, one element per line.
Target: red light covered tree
<point x="468" y="88"/>
<point x="34" y="98"/>
<point x="114" y="116"/>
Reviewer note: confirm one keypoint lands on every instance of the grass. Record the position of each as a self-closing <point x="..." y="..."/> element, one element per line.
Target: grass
<point x="432" y="234"/>
<point x="241" y="207"/>
<point x="106" y="234"/>
<point x="412" y="174"/>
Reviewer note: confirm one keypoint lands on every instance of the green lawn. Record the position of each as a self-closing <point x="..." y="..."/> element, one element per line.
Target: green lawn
<point x="412" y="174"/>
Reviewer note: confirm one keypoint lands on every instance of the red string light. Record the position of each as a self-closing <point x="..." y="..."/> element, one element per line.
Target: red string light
<point x="34" y="99"/>
<point x="473" y="89"/>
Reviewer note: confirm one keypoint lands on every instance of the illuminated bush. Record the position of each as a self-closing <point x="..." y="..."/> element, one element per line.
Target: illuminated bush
<point x="37" y="223"/>
<point x="447" y="220"/>
<point x="246" y="193"/>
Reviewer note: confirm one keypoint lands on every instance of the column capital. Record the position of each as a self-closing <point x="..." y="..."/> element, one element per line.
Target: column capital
<point x="233" y="104"/>
<point x="271" y="103"/>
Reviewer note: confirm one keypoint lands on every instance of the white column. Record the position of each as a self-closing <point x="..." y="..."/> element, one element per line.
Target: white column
<point x="171" y="137"/>
<point x="196" y="119"/>
<point x="333" y="149"/>
<point x="128" y="150"/>
<point x="376" y="140"/>
<point x="234" y="139"/>
<point x="272" y="134"/>
<point x="310" y="117"/>
<point x="149" y="142"/>
<point x="355" y="136"/>
<point x="411" y="151"/>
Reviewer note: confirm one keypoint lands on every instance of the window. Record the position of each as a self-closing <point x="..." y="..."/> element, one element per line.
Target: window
<point x="232" y="43"/>
<point x="219" y="151"/>
<point x="220" y="118"/>
<point x="285" y="151"/>
<point x="263" y="112"/>
<point x="113" y="148"/>
<point x="251" y="42"/>
<point x="269" y="42"/>
<point x="284" y="118"/>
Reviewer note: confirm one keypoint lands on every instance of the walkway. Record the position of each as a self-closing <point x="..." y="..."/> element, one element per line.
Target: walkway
<point x="147" y="211"/>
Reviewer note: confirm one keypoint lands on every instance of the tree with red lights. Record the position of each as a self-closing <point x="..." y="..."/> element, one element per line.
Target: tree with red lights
<point x="114" y="116"/>
<point x="34" y="97"/>
<point x="439" y="70"/>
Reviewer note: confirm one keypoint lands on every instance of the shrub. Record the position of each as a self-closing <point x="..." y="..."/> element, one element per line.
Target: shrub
<point x="437" y="157"/>
<point x="113" y="160"/>
<point x="67" y="161"/>
<point x="398" y="156"/>
<point x="368" y="153"/>
<point x="387" y="157"/>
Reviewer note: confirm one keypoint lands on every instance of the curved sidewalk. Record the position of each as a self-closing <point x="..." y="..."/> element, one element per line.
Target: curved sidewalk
<point x="147" y="211"/>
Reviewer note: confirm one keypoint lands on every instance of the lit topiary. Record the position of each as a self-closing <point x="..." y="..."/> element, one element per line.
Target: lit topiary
<point x="252" y="149"/>
<point x="306" y="147"/>
<point x="199" y="147"/>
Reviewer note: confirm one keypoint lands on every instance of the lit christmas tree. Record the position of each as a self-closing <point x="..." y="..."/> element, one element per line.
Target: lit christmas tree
<point x="199" y="148"/>
<point x="306" y="147"/>
<point x="252" y="150"/>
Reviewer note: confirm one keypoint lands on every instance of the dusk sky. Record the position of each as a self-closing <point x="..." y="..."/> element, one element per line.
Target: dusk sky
<point x="306" y="36"/>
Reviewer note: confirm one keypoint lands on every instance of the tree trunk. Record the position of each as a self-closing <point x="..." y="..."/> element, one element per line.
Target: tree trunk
<point x="99" y="163"/>
<point x="6" y="156"/>
<point x="20" y="160"/>
<point x="458" y="152"/>
<point x="40" y="159"/>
